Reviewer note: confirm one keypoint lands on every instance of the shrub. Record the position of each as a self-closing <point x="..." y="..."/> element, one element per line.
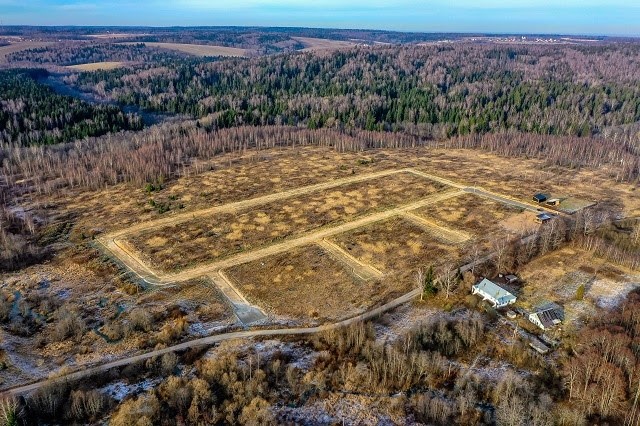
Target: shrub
<point x="580" y="292"/>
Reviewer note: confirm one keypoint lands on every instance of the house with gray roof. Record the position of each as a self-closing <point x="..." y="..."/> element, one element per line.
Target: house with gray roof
<point x="498" y="296"/>
<point x="547" y="316"/>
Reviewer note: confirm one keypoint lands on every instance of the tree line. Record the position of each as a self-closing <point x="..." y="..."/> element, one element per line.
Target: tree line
<point x="74" y="53"/>
<point x="33" y="114"/>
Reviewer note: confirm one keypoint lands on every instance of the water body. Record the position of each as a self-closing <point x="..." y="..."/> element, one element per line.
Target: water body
<point x="55" y="81"/>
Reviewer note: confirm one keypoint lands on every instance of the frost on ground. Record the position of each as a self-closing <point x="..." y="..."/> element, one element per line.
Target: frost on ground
<point x="203" y="329"/>
<point x="399" y="321"/>
<point x="608" y="294"/>
<point x="120" y="390"/>
<point x="297" y="355"/>
<point x="348" y="409"/>
<point x="20" y="367"/>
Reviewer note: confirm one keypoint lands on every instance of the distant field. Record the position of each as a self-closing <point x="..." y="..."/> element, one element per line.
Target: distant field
<point x="17" y="47"/>
<point x="116" y="35"/>
<point x="312" y="44"/>
<point x="94" y="66"/>
<point x="201" y="49"/>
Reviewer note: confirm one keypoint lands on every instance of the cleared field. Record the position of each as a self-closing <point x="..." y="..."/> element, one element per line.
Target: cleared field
<point x="396" y="246"/>
<point x="94" y="66"/>
<point x="18" y="47"/>
<point x="201" y="49"/>
<point x="227" y="179"/>
<point x="307" y="283"/>
<point x="174" y="247"/>
<point x="557" y="276"/>
<point x="117" y="35"/>
<point x="313" y="44"/>
<point x="201" y="300"/>
<point x="483" y="219"/>
<point x="572" y="205"/>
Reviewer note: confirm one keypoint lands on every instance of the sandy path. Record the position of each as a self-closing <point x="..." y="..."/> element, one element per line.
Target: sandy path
<point x="359" y="269"/>
<point x="440" y="232"/>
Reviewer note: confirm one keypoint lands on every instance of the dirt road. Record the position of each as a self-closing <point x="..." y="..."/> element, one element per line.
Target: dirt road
<point x="208" y="341"/>
<point x="211" y="340"/>
<point x="245" y="204"/>
<point x="439" y="232"/>
<point x="304" y="240"/>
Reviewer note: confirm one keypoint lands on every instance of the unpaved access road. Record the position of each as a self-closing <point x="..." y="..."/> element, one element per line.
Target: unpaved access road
<point x="208" y="341"/>
<point x="87" y="372"/>
<point x="131" y="260"/>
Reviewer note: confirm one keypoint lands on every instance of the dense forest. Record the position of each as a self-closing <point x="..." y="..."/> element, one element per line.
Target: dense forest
<point x="83" y="53"/>
<point x="33" y="114"/>
<point x="434" y="91"/>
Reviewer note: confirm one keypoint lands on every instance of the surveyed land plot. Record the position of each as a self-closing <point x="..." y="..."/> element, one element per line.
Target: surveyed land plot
<point x="307" y="283"/>
<point x="205" y="239"/>
<point x="396" y="246"/>
<point x="482" y="219"/>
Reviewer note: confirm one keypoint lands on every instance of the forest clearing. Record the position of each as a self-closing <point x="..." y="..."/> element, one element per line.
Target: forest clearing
<point x="200" y="49"/>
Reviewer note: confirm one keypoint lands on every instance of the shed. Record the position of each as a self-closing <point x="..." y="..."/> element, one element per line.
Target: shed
<point x="539" y="347"/>
<point x="554" y="201"/>
<point x="540" y="197"/>
<point x="543" y="218"/>
<point x="511" y="279"/>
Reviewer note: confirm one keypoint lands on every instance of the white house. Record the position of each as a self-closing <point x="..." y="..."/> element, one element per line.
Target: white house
<point x="493" y="293"/>
<point x="547" y="316"/>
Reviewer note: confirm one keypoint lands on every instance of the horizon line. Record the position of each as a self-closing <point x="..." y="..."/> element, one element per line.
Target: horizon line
<point x="480" y="33"/>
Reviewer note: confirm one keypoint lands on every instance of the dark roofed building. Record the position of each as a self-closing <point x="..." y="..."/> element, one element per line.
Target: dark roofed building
<point x="543" y="217"/>
<point x="547" y="316"/>
<point x="540" y="197"/>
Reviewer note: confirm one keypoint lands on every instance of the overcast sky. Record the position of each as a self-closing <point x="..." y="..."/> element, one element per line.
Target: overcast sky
<point x="615" y="17"/>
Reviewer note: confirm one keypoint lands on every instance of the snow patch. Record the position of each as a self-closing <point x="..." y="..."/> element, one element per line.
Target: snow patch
<point x="121" y="390"/>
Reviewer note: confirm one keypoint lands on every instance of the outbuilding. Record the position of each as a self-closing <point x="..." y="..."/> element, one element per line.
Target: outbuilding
<point x="543" y="218"/>
<point x="540" y="198"/>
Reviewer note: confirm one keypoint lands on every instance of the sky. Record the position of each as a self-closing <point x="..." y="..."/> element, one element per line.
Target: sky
<point x="597" y="17"/>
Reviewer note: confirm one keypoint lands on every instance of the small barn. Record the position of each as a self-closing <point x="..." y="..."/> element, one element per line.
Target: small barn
<point x="547" y="316"/>
<point x="540" y="198"/>
<point x="543" y="218"/>
<point x="491" y="292"/>
<point x="554" y="201"/>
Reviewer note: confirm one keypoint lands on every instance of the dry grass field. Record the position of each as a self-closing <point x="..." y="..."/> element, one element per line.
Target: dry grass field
<point x="485" y="220"/>
<point x="117" y="35"/>
<point x="237" y="177"/>
<point x="20" y="46"/>
<point x="234" y="177"/>
<point x="396" y="247"/>
<point x="95" y="66"/>
<point x="201" y="49"/>
<point x="307" y="283"/>
<point x="84" y="284"/>
<point x="314" y="44"/>
<point x="186" y="244"/>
